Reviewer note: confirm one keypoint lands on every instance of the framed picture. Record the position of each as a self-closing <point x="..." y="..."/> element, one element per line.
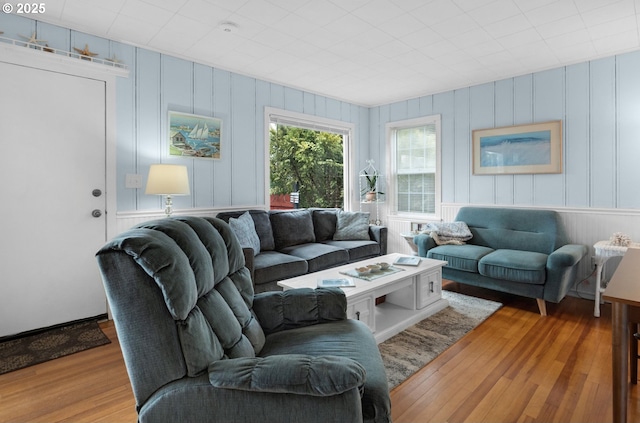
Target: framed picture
<point x="521" y="149"/>
<point x="194" y="136"/>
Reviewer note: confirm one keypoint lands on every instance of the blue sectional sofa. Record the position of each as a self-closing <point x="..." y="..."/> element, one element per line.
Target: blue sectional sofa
<point x="519" y="251"/>
<point x="291" y="243"/>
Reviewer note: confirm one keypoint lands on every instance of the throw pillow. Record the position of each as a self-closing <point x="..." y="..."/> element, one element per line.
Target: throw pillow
<point x="245" y="231"/>
<point x="352" y="226"/>
<point x="292" y="227"/>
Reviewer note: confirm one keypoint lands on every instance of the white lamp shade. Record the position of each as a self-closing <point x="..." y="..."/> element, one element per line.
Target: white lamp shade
<point x="167" y="179"/>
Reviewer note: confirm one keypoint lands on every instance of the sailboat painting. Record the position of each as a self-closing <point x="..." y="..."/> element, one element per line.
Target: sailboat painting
<point x="194" y="135"/>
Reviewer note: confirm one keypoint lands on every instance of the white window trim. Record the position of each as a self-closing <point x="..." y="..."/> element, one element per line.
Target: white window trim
<point x="390" y="127"/>
<point x="318" y="123"/>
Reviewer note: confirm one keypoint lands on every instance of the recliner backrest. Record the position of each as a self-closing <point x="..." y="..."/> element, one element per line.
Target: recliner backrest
<point x="180" y="287"/>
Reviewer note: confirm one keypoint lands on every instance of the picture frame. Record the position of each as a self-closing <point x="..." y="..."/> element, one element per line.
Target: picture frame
<point x="520" y="149"/>
<point x="194" y="136"/>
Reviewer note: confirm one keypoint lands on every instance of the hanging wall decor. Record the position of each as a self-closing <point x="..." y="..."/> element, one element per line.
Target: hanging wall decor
<point x="194" y="136"/>
<point x="521" y="149"/>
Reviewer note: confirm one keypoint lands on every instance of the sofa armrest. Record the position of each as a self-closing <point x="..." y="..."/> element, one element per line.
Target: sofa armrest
<point x="379" y="235"/>
<point x="288" y="374"/>
<point x="424" y="243"/>
<point x="566" y="256"/>
<point x="249" y="261"/>
<point x="294" y="308"/>
<point x="562" y="269"/>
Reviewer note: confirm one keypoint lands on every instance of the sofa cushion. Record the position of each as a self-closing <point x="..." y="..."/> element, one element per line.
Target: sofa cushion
<point x="346" y="338"/>
<point x="245" y="230"/>
<point x="351" y="226"/>
<point x="324" y="223"/>
<point x="514" y="265"/>
<point x="460" y="257"/>
<point x="319" y="256"/>
<point x="272" y="266"/>
<point x="357" y="249"/>
<point x="292" y="227"/>
<point x="262" y="224"/>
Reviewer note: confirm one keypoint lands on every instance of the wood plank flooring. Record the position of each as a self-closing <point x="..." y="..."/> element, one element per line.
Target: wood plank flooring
<point x="515" y="367"/>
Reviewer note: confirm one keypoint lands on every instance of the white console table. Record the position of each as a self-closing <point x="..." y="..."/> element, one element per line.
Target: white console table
<point x="604" y="251"/>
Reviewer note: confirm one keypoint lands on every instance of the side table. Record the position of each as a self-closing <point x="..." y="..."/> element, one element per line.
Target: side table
<point x="408" y="236"/>
<point x="604" y="251"/>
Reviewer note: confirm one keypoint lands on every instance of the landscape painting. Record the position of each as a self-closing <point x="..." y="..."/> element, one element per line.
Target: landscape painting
<point x="194" y="136"/>
<point x="522" y="149"/>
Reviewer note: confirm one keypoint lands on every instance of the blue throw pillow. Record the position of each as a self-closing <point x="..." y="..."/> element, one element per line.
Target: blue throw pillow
<point x="245" y="230"/>
<point x="352" y="226"/>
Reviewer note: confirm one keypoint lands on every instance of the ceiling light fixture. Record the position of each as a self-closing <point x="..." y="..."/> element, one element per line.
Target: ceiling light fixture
<point x="229" y="27"/>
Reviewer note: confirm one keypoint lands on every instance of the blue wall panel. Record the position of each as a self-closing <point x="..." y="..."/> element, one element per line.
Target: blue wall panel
<point x="503" y="117"/>
<point x="628" y="106"/>
<point x="549" y="189"/>
<point x="576" y="136"/>
<point x="603" y="133"/>
<point x="481" y="112"/>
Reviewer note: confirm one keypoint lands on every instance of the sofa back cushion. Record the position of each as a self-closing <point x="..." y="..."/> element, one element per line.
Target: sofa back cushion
<point x="291" y="227"/>
<point x="324" y="223"/>
<point x="262" y="225"/>
<point x="515" y="229"/>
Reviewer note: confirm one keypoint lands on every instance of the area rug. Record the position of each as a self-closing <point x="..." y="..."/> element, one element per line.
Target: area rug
<point x="409" y="351"/>
<point x="53" y="343"/>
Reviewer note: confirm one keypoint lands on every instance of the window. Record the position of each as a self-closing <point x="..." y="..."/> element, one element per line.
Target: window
<point x="415" y="165"/>
<point x="307" y="154"/>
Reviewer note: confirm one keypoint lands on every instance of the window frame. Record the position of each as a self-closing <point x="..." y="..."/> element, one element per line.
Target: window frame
<point x="391" y="128"/>
<point x="346" y="129"/>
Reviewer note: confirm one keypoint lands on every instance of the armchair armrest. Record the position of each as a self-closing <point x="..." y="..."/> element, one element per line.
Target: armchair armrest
<point x="294" y="308"/>
<point x="379" y="235"/>
<point x="566" y="256"/>
<point x="288" y="374"/>
<point x="424" y="243"/>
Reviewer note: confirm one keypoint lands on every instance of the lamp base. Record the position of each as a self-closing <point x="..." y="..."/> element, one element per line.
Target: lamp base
<point x="168" y="206"/>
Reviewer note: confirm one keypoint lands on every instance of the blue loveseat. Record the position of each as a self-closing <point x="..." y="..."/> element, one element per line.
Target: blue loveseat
<point x="519" y="251"/>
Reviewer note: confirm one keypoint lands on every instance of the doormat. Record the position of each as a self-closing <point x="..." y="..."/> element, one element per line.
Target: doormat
<point x="52" y="343"/>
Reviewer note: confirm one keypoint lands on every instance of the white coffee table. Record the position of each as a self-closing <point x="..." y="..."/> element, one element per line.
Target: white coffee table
<point x="410" y="295"/>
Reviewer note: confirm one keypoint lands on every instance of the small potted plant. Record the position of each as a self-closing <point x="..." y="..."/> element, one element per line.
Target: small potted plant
<point x="371" y="190"/>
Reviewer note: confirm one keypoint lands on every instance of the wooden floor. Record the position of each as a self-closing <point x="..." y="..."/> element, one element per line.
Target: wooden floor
<point x="515" y="367"/>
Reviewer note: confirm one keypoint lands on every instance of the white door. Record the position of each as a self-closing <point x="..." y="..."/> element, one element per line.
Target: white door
<point x="52" y="132"/>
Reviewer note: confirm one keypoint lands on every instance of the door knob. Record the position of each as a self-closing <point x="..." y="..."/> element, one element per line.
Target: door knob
<point x="96" y="192"/>
<point x="96" y="213"/>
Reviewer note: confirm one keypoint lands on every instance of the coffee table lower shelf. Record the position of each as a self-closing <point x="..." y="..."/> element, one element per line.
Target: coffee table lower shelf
<point x="409" y="296"/>
<point x="392" y="319"/>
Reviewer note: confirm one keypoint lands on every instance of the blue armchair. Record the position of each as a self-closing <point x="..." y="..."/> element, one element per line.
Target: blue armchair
<point x="200" y="347"/>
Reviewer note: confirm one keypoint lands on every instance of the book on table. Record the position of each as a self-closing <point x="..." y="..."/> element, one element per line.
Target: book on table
<point x="407" y="261"/>
<point x="336" y="282"/>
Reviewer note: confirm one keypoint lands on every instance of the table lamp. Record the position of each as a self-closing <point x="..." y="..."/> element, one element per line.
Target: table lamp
<point x="167" y="179"/>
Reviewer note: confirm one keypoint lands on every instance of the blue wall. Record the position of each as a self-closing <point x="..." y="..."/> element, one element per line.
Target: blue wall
<point x="598" y="102"/>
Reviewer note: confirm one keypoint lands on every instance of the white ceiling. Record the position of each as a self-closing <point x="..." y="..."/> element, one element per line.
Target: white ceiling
<point x="367" y="52"/>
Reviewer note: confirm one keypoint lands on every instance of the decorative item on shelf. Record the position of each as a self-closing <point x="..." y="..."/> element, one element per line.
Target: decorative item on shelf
<point x="113" y="59"/>
<point x="370" y="189"/>
<point x="32" y="41"/>
<point x="85" y="53"/>
<point x="620" y="240"/>
<point x="167" y="179"/>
